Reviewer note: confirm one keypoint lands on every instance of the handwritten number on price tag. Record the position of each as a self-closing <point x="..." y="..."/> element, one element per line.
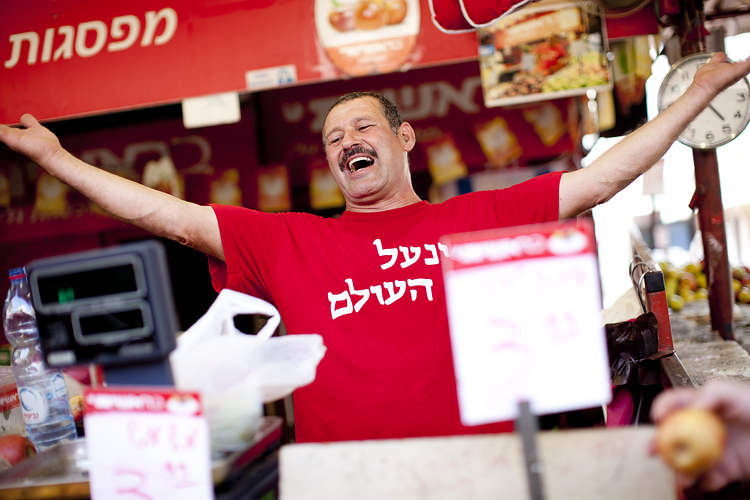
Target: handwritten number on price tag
<point x="179" y="477"/>
<point x="130" y="476"/>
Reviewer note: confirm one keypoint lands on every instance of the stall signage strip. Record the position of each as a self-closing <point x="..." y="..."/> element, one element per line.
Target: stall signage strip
<point x="64" y="59"/>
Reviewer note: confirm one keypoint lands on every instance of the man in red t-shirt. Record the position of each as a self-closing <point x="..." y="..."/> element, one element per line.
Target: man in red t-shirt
<point x="369" y="282"/>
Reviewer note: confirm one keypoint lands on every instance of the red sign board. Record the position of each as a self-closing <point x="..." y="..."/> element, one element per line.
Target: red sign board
<point x="440" y="102"/>
<point x="211" y="164"/>
<point x="62" y="59"/>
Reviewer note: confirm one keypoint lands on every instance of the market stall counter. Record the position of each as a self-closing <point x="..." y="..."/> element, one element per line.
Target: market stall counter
<point x="697" y="353"/>
<point x="62" y="472"/>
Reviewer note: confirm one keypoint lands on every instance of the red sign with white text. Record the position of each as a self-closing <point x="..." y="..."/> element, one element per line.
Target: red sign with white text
<point x="469" y="250"/>
<point x="203" y="165"/>
<point x="63" y="59"/>
<point x="8" y="397"/>
<point x="439" y="102"/>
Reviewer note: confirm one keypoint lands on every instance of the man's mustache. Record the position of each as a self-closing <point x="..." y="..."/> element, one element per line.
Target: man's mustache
<point x="355" y="150"/>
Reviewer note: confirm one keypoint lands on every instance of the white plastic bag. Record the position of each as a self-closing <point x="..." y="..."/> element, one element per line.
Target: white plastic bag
<point x="236" y="373"/>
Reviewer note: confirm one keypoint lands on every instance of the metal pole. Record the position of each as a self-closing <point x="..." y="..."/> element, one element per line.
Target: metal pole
<point x="527" y="427"/>
<point x="707" y="197"/>
<point x="707" y="200"/>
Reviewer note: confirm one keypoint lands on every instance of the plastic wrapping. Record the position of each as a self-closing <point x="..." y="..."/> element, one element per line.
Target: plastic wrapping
<point x="633" y="351"/>
<point x="236" y="373"/>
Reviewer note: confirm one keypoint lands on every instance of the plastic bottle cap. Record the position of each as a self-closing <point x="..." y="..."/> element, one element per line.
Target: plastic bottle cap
<point x="17" y="273"/>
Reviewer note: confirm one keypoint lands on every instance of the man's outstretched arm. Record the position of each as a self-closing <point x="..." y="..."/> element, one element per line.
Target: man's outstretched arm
<point x="588" y="187"/>
<point x="157" y="212"/>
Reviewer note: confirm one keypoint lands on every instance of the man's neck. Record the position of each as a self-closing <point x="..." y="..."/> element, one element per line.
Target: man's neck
<point x="383" y="205"/>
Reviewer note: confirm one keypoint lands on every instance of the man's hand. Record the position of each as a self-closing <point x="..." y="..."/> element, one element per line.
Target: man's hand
<point x="716" y="75"/>
<point x="731" y="402"/>
<point x="34" y="141"/>
<point x="157" y="212"/>
<point x="588" y="187"/>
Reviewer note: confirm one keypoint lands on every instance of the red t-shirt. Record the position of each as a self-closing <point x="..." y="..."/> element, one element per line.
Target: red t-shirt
<point x="371" y="284"/>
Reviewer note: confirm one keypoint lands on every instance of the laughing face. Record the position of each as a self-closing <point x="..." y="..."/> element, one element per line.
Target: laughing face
<point x="368" y="160"/>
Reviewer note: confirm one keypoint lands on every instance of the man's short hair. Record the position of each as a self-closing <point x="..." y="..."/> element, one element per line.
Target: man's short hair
<point x="390" y="111"/>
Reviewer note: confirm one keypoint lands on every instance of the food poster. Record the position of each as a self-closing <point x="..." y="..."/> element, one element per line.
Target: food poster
<point x="364" y="37"/>
<point x="543" y="51"/>
<point x="499" y="144"/>
<point x="274" y="192"/>
<point x="324" y="192"/>
<point x="225" y="189"/>
<point x="51" y="195"/>
<point x="444" y="159"/>
<point x="631" y="67"/>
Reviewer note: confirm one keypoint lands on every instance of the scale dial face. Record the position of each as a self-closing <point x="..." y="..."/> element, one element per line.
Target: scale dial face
<point x="724" y="118"/>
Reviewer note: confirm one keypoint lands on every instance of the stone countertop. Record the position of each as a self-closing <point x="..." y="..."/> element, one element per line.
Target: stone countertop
<point x="703" y="352"/>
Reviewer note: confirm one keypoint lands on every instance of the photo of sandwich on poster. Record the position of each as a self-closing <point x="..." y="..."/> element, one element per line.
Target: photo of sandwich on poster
<point x="547" y="50"/>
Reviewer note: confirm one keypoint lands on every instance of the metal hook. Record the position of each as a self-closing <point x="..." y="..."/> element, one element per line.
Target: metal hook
<point x="634" y="265"/>
<point x="638" y="291"/>
<point x="635" y="258"/>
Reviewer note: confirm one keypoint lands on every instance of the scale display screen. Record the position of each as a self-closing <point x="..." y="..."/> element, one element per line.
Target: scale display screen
<point x="95" y="281"/>
<point x="119" y="323"/>
<point x="111" y="306"/>
<point x="87" y="284"/>
<point x="112" y="322"/>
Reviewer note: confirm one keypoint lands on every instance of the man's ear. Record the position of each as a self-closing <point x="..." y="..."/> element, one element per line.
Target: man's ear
<point x="407" y="136"/>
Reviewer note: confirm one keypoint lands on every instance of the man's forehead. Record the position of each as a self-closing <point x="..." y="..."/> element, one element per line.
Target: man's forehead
<point x="364" y="106"/>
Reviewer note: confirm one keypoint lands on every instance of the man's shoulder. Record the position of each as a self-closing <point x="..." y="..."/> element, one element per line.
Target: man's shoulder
<point x="469" y="197"/>
<point x="235" y="210"/>
<point x="522" y="189"/>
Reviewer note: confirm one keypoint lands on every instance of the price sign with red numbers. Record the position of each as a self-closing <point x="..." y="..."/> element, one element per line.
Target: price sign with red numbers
<point x="524" y="306"/>
<point x="148" y="444"/>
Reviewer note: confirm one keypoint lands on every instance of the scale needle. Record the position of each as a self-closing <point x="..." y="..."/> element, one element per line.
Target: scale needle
<point x="717" y="113"/>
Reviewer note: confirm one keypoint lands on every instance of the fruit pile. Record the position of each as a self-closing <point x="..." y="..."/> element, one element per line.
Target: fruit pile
<point x="77" y="409"/>
<point x="689" y="283"/>
<point x="691" y="440"/>
<point x="14" y="448"/>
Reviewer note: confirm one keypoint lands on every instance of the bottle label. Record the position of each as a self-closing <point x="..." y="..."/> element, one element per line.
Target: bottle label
<point x="34" y="405"/>
<point x="8" y="397"/>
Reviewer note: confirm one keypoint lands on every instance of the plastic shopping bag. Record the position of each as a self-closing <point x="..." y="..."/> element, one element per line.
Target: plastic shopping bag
<point x="236" y="373"/>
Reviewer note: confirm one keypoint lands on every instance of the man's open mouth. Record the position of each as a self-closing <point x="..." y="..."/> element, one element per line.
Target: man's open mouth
<point x="357" y="158"/>
<point x="359" y="162"/>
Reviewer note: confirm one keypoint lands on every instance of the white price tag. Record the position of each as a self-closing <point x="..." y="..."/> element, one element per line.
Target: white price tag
<point x="147" y="444"/>
<point x="270" y="78"/>
<point x="215" y="109"/>
<point x="524" y="307"/>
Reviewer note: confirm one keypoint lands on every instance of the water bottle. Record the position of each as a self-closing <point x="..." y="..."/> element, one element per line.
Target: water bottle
<point x="41" y="389"/>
